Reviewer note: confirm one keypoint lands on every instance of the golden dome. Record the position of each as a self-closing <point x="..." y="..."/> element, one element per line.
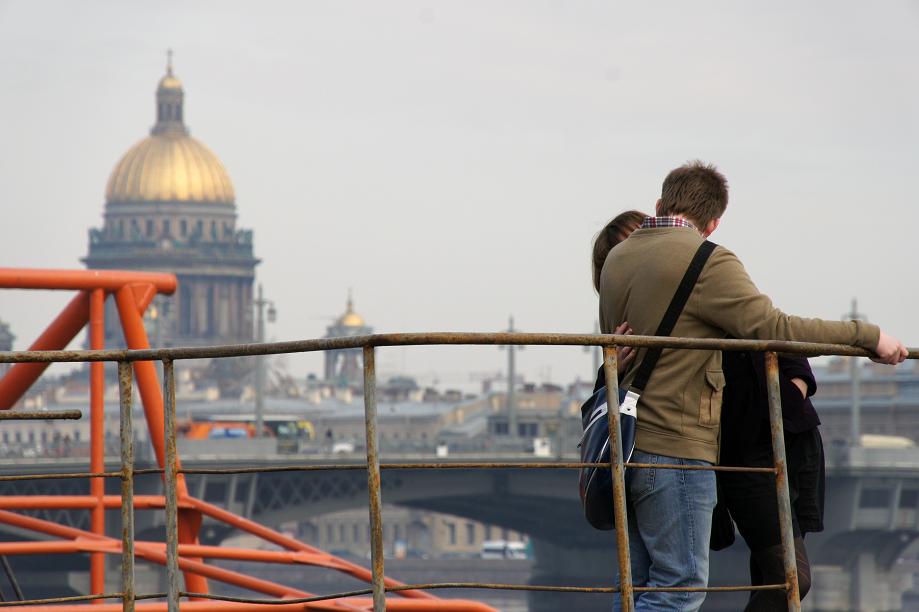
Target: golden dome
<point x="170" y="167"/>
<point x="170" y="82"/>
<point x="350" y="318"/>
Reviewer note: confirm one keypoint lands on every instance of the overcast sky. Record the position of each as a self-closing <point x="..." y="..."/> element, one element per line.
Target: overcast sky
<point x="451" y="161"/>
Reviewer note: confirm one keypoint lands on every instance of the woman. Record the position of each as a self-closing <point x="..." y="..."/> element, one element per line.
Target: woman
<point x="746" y="441"/>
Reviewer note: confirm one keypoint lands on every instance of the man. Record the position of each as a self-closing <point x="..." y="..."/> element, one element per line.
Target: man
<point x="669" y="511"/>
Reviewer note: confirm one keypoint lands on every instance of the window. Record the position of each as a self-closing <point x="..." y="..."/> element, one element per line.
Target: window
<point x="166" y="227"/>
<point x="451" y="533"/>
<point x="149" y="227"/>
<point x="214" y="230"/>
<point x="527" y="430"/>
<point x="356" y="532"/>
<point x="501" y="428"/>
<point x="183" y="227"/>
<point x="329" y="533"/>
<point x="908" y="498"/>
<point x="470" y="533"/>
<point x="874" y="498"/>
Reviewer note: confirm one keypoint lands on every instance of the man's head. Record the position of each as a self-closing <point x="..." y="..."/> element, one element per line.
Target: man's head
<point x="696" y="191"/>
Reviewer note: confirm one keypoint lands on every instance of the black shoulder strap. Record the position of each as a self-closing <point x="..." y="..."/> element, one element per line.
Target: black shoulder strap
<point x="673" y="313"/>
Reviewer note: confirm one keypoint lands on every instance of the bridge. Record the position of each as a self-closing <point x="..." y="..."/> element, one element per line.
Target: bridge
<point x="872" y="515"/>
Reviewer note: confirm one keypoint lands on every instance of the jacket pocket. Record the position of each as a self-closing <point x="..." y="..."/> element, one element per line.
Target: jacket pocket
<point x="712" y="394"/>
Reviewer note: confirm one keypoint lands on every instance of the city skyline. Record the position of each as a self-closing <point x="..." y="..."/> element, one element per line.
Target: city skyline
<point x="452" y="163"/>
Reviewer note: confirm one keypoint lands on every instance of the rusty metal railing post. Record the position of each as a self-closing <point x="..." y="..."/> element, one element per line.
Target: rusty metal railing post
<point x="610" y="367"/>
<point x="126" y="395"/>
<point x="373" y="480"/>
<point x="171" y="475"/>
<point x="781" y="482"/>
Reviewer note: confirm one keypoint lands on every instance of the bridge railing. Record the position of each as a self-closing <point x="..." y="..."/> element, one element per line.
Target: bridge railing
<point x="178" y="556"/>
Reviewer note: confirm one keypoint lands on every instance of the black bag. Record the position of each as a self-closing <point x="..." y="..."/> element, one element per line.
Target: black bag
<point x="595" y="483"/>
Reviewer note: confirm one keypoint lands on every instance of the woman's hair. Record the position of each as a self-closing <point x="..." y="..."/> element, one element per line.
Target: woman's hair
<point x="617" y="230"/>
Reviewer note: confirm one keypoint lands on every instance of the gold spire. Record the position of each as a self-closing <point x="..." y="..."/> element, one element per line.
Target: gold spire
<point x="169" y="82"/>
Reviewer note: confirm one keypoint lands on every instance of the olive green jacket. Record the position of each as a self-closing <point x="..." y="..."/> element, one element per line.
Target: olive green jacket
<point x="679" y="413"/>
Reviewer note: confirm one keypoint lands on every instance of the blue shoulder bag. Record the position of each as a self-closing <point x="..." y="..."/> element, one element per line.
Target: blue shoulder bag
<point x="595" y="484"/>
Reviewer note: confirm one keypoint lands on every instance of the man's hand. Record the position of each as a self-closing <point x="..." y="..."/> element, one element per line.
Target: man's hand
<point x="889" y="350"/>
<point x="624" y="354"/>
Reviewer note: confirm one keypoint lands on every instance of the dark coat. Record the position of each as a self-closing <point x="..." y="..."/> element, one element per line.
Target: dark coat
<point x="745" y="409"/>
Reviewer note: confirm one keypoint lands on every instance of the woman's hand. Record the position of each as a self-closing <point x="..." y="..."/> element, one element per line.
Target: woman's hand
<point x="801" y="385"/>
<point x="625" y="355"/>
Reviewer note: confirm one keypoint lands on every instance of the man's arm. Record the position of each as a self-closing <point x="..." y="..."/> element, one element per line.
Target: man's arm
<point x="729" y="300"/>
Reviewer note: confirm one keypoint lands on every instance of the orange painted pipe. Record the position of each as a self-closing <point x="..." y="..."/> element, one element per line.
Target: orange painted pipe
<point x="89" y="541"/>
<point x="152" y="398"/>
<point x="358" y="603"/>
<point x="57" y="547"/>
<point x="83" y="280"/>
<point x="56" y="337"/>
<point x="145" y="373"/>
<point x="149" y="552"/>
<point x="208" y="552"/>
<point x="47" y="527"/>
<point x="97" y="437"/>
<point x="83" y="502"/>
<point x="248" y="554"/>
<point x="352" y="569"/>
<point x="223" y="575"/>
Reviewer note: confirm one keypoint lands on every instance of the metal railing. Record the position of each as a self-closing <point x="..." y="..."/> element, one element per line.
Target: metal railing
<point x="186" y="557"/>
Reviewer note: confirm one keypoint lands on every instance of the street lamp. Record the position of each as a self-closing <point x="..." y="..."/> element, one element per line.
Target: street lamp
<point x="855" y="379"/>
<point x="511" y="375"/>
<point x="260" y="303"/>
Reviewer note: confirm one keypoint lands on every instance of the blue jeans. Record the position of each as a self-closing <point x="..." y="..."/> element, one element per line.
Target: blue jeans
<point x="670" y="522"/>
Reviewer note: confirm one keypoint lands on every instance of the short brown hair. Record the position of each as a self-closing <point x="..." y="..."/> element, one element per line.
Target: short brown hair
<point x="617" y="230"/>
<point x="695" y="190"/>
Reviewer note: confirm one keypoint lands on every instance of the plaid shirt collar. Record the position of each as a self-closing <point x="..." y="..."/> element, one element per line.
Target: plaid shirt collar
<point x="667" y="222"/>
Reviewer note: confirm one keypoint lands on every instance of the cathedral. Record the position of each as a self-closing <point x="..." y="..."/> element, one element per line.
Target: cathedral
<point x="170" y="207"/>
<point x="345" y="367"/>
